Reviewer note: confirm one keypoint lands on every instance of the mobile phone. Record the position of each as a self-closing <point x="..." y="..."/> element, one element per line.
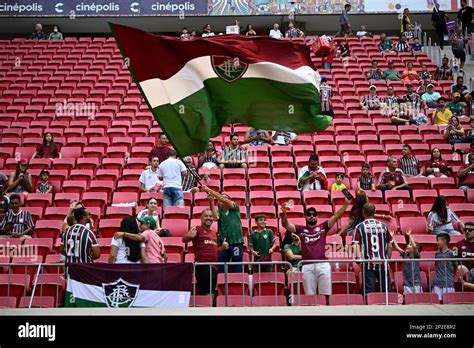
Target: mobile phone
<point x="347" y="194"/>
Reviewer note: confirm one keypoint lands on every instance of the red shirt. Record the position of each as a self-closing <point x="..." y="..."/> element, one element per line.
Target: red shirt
<point x="205" y="245"/>
<point x="45" y="152"/>
<point x="465" y="250"/>
<point x="313" y="241"/>
<point x="468" y="179"/>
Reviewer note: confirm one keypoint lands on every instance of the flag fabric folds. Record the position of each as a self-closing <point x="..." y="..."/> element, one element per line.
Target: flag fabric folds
<point x="194" y="87"/>
<point x="124" y="285"/>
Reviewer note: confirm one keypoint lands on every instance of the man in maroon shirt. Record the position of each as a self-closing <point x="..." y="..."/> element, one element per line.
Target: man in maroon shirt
<point x="393" y="178"/>
<point x="161" y="149"/>
<point x="316" y="276"/>
<point x="464" y="249"/>
<point x="205" y="250"/>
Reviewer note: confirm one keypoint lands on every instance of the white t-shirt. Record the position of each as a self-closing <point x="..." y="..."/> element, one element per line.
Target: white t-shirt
<point x="208" y="34"/>
<point x="122" y="250"/>
<point x="144" y="213"/>
<point x="149" y="178"/>
<point x="276" y="34"/>
<point x="170" y="170"/>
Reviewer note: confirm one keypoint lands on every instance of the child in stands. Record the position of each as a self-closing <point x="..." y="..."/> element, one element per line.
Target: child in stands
<point x="338" y="185"/>
<point x="43" y="185"/>
<point x="262" y="244"/>
<point x="366" y="181"/>
<point x="411" y="269"/>
<point x="444" y="277"/>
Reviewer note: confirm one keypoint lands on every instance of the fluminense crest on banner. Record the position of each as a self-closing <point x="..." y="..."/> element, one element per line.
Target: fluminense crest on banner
<point x="120" y="293"/>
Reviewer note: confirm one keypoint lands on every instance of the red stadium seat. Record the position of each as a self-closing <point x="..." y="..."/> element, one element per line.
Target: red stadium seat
<point x="118" y="212"/>
<point x="458" y="298"/>
<point x="268" y="301"/>
<point x="424" y="196"/>
<point x="8" y="302"/>
<point x="270" y="283"/>
<point x="453" y="195"/>
<point x="233" y="301"/>
<point x="108" y="227"/>
<point x="237" y="284"/>
<point x="443" y="183"/>
<point x="177" y="227"/>
<point x="381" y="298"/>
<point x="48" y="228"/>
<point x="42" y="200"/>
<point x="421" y="298"/>
<point x="346" y="300"/>
<point x="177" y="213"/>
<point x="397" y="196"/>
<point x="262" y="198"/>
<point x="283" y="173"/>
<point x="416" y="224"/>
<point x="37" y="302"/>
<point x="201" y="301"/>
<point x="15" y="285"/>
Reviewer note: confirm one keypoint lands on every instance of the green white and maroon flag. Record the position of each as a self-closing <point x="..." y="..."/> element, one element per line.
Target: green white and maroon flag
<point x="116" y="286"/>
<point x="194" y="87"/>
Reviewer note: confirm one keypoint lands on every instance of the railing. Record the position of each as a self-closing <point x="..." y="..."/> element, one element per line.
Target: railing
<point x="245" y="288"/>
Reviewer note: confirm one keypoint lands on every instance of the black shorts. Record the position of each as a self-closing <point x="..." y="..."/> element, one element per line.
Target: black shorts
<point x="371" y="278"/>
<point x="460" y="54"/>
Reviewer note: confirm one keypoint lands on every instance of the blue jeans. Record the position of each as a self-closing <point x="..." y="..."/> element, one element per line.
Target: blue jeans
<point x="173" y="197"/>
<point x="234" y="254"/>
<point x="449" y="229"/>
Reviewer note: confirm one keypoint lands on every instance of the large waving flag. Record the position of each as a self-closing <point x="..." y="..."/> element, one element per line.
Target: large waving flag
<point x="117" y="286"/>
<point x="194" y="87"/>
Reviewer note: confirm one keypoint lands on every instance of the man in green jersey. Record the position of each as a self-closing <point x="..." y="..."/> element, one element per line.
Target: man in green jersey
<point x="230" y="237"/>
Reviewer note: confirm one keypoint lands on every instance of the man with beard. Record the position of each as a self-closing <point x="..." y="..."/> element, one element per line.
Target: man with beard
<point x="316" y="276"/>
<point x="205" y="250"/>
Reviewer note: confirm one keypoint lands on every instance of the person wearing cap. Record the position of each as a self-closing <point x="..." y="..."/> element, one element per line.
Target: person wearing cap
<point x="430" y="97"/>
<point x="391" y="73"/>
<point x="43" y="185"/>
<point x="385" y="45"/>
<point x="375" y="73"/>
<point x="442" y="115"/>
<point x="38" y="34"/>
<point x="454" y="131"/>
<point x="455" y="105"/>
<point x="230" y="238"/>
<point x="16" y="223"/>
<point x="325" y="92"/>
<point x="444" y="71"/>
<point x="316" y="276"/>
<point x="410" y="74"/>
<point x="20" y="180"/>
<point x="371" y="101"/>
<point x="154" y="247"/>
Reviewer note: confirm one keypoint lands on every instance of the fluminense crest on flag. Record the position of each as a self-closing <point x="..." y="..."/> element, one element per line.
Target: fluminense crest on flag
<point x="129" y="285"/>
<point x="120" y="293"/>
<point x="227" y="68"/>
<point x="200" y="85"/>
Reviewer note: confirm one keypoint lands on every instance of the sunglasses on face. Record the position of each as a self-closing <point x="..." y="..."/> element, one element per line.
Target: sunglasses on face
<point x="311" y="214"/>
<point x="469" y="229"/>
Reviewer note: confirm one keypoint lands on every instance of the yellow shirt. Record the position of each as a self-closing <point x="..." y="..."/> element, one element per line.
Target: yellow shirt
<point x="441" y="118"/>
<point x="336" y="187"/>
